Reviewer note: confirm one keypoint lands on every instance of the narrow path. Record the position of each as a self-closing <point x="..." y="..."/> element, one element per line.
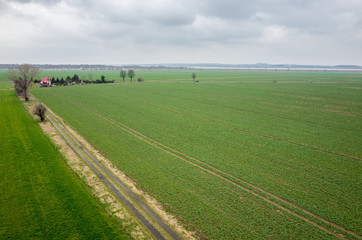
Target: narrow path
<point x="251" y="188"/>
<point x="81" y="151"/>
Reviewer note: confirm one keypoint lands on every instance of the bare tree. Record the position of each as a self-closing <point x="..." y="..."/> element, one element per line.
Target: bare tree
<point x="40" y="111"/>
<point x="123" y="74"/>
<point x="22" y="76"/>
<point x="18" y="89"/>
<point x="131" y="74"/>
<point x="193" y="75"/>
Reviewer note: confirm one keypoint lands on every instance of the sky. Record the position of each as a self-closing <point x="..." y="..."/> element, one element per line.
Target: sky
<point x="318" y="32"/>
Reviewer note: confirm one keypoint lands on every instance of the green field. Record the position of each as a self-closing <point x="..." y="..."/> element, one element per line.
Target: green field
<point x="199" y="147"/>
<point x="40" y="197"/>
<point x="3" y="75"/>
<point x="184" y="75"/>
<point x="5" y="86"/>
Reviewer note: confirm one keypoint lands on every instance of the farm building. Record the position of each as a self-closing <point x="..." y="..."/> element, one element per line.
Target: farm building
<point x="45" y="82"/>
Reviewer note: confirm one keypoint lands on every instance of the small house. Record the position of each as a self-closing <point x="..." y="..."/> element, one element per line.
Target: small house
<point x="46" y="82"/>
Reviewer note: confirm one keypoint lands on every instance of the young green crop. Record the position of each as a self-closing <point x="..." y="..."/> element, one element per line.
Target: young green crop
<point x="40" y="197"/>
<point x="5" y="86"/>
<point x="297" y="140"/>
<point x="184" y="75"/>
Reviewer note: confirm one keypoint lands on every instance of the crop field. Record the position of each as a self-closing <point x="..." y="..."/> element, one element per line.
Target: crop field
<point x="3" y="75"/>
<point x="40" y="197"/>
<point x="5" y="86"/>
<point x="235" y="155"/>
<point x="184" y="75"/>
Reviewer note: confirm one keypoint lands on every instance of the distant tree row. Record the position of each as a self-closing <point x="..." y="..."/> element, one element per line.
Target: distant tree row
<point x="130" y="73"/>
<point x="76" y="80"/>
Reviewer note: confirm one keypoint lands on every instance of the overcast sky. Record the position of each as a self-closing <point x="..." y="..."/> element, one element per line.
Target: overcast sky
<point x="181" y="31"/>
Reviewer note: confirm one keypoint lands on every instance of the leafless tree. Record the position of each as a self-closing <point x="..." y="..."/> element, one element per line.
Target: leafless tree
<point x="23" y="76"/>
<point x="40" y="111"/>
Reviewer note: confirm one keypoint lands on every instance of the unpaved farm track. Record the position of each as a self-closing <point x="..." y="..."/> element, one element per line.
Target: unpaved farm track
<point x="271" y="198"/>
<point x="84" y="154"/>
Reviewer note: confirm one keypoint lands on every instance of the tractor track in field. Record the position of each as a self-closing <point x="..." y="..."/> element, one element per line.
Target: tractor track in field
<point x="317" y="148"/>
<point x="82" y="153"/>
<point x="251" y="188"/>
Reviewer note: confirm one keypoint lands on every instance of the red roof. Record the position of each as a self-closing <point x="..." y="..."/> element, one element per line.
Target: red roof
<point x="45" y="80"/>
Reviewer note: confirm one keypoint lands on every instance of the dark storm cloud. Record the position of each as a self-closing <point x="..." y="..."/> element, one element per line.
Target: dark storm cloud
<point x="205" y="30"/>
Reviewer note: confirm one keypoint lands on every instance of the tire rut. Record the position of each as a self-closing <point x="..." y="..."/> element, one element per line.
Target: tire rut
<point x="224" y="175"/>
<point x="82" y="152"/>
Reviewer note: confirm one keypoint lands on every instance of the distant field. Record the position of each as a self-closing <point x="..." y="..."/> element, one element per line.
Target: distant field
<point x="5" y="86"/>
<point x="211" y="75"/>
<point x="197" y="147"/>
<point x="184" y="75"/>
<point x="2" y="75"/>
<point x="40" y="197"/>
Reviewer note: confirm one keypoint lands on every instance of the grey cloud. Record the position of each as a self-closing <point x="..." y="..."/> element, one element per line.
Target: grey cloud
<point x="45" y="2"/>
<point x="172" y="19"/>
<point x="315" y="17"/>
<point x="3" y="8"/>
<point x="180" y="28"/>
<point x="228" y="9"/>
<point x="141" y="13"/>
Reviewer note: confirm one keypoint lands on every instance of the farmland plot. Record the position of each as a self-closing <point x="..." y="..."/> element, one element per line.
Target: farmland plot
<point x="234" y="160"/>
<point x="5" y="86"/>
<point x="40" y="197"/>
<point x="184" y="75"/>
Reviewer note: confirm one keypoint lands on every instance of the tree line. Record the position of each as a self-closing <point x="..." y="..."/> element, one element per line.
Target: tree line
<point x="23" y="76"/>
<point x="76" y="80"/>
<point x="131" y="74"/>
